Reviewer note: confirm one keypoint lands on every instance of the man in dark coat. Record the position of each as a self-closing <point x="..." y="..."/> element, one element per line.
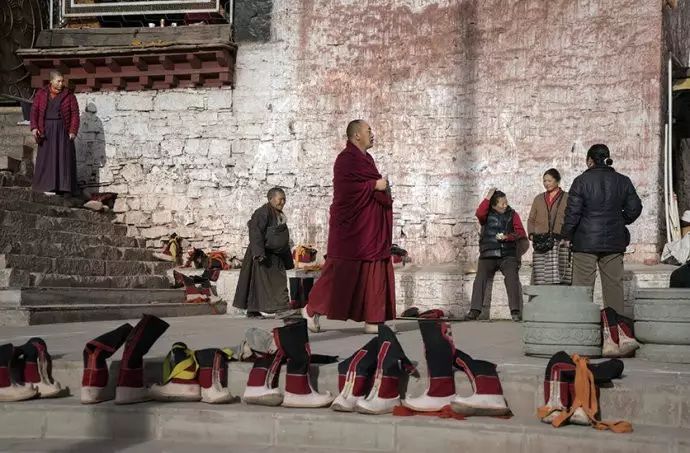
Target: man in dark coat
<point x="601" y="203"/>
<point x="54" y="125"/>
<point x="262" y="285"/>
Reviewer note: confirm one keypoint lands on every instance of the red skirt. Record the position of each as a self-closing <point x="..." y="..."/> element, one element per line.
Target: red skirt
<point x="356" y="290"/>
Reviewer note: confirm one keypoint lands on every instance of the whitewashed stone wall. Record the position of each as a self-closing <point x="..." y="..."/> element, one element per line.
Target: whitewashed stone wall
<point x="462" y="95"/>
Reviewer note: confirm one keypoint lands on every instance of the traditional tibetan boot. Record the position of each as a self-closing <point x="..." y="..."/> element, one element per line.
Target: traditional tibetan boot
<point x="262" y="385"/>
<point x="213" y="376"/>
<point x="38" y="369"/>
<point x="130" y="381"/>
<point x="390" y="364"/>
<point x="354" y="376"/>
<point x="94" y="381"/>
<point x="439" y="352"/>
<point x="299" y="291"/>
<point x="627" y="343"/>
<point x="559" y="386"/>
<point x="487" y="398"/>
<point x="293" y="341"/>
<point x="11" y="391"/>
<point x="609" y="333"/>
<point x="180" y="381"/>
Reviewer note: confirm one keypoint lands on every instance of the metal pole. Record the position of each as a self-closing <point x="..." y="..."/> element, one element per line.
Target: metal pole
<point x="50" y="15"/>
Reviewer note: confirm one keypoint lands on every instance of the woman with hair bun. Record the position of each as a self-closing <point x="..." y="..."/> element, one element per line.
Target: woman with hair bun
<point x="601" y="203"/>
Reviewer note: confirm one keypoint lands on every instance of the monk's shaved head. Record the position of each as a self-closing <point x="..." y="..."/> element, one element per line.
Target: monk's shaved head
<point x="353" y="127"/>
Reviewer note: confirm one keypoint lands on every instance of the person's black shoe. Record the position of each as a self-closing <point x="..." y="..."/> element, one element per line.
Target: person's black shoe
<point x="255" y="314"/>
<point x="515" y="315"/>
<point x="472" y="315"/>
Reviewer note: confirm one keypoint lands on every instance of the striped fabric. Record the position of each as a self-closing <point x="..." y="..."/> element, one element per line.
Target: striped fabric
<point x="554" y="267"/>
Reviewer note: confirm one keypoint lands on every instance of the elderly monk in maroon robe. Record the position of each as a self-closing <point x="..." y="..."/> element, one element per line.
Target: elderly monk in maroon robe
<point x="357" y="279"/>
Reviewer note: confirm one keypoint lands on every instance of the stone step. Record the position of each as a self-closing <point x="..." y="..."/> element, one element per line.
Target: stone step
<point x="632" y="398"/>
<point x="26" y="221"/>
<point x="16" y="140"/>
<point x="36" y="297"/>
<point x="15" y="278"/>
<point x="54" y="314"/>
<point x="9" y="235"/>
<point x="83" y="266"/>
<point x="10" y="179"/>
<point x="240" y="427"/>
<point x="74" y="250"/>
<point x="31" y="207"/>
<point x="22" y="194"/>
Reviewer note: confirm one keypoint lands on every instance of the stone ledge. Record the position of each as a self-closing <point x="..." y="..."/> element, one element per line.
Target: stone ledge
<point x="449" y="287"/>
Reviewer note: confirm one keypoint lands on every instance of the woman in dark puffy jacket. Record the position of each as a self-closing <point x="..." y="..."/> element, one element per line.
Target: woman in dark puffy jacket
<point x="498" y="250"/>
<point x="601" y="203"/>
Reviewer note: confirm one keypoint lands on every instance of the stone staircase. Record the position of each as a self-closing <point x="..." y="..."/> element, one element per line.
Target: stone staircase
<point x="62" y="263"/>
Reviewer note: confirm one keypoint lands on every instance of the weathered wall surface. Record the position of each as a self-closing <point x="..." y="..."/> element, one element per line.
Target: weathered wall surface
<point x="461" y="95"/>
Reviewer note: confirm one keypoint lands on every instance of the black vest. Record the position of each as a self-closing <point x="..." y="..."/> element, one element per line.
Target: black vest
<point x="489" y="246"/>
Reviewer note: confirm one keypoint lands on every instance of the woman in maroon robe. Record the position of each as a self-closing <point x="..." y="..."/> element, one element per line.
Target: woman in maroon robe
<point x="54" y="125"/>
<point x="357" y="280"/>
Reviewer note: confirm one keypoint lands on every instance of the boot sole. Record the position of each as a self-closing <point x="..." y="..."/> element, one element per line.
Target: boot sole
<point x="270" y="400"/>
<point x="175" y="398"/>
<point x="306" y="406"/>
<point x="9" y="399"/>
<point x="341" y="408"/>
<point x="361" y="410"/>
<point x="463" y="409"/>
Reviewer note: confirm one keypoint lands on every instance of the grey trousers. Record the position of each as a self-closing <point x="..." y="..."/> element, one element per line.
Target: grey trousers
<point x="486" y="269"/>
<point x="610" y="271"/>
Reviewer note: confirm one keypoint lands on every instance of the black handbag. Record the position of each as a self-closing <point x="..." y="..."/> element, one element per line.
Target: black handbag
<point x="543" y="242"/>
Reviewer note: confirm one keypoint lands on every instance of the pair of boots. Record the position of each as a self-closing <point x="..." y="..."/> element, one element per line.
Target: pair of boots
<point x="571" y="391"/>
<point x="618" y="338"/>
<point x="369" y="380"/>
<point x="197" y="288"/>
<point x="292" y="342"/>
<point x="194" y="376"/>
<point x="26" y="372"/>
<point x="130" y="381"/>
<point x="442" y="360"/>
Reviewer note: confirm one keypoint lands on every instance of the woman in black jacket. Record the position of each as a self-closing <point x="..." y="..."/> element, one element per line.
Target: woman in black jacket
<point x="601" y="203"/>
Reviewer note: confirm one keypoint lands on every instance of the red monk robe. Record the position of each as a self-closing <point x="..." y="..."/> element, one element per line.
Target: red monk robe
<point x="357" y="280"/>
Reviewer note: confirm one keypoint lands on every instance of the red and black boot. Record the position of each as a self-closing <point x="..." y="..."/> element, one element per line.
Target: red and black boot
<point x="94" y="381"/>
<point x="354" y="376"/>
<point x="38" y="369"/>
<point x="130" y="381"/>
<point x="487" y="398"/>
<point x="559" y="390"/>
<point x="439" y="352"/>
<point x="213" y="376"/>
<point x="627" y="344"/>
<point x="180" y="381"/>
<point x="293" y="341"/>
<point x="609" y="333"/>
<point x="391" y="363"/>
<point x="262" y="385"/>
<point x="9" y="390"/>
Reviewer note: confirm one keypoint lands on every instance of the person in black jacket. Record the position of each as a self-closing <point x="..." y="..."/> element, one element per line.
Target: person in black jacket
<point x="601" y="203"/>
<point x="262" y="284"/>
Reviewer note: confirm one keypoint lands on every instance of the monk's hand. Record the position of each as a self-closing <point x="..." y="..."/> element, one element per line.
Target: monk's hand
<point x="72" y="136"/>
<point x="259" y="259"/>
<point x="35" y="133"/>
<point x="490" y="193"/>
<point x="500" y="236"/>
<point x="381" y="184"/>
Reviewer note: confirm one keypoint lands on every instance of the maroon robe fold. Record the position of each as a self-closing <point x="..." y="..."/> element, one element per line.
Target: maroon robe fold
<point x="357" y="280"/>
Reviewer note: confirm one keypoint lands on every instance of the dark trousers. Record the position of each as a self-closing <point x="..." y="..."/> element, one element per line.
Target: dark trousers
<point x="486" y="269"/>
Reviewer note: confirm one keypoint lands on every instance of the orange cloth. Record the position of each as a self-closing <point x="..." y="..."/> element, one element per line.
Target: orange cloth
<point x="585" y="398"/>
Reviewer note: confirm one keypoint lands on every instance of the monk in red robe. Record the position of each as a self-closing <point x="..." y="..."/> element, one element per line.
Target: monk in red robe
<point x="357" y="280"/>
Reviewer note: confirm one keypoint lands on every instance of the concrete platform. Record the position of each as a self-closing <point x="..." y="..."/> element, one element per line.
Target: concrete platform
<point x="655" y="397"/>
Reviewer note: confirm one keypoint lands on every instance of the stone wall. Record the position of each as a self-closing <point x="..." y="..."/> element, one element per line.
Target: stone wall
<point x="462" y="95"/>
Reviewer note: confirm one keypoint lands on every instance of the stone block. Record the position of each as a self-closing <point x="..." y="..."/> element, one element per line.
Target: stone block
<point x="21" y="423"/>
<point x="249" y="427"/>
<point x="120" y="205"/>
<point x="220" y="99"/>
<point x="446" y="436"/>
<point x="161" y="217"/>
<point x="175" y="101"/>
<point x="137" y="218"/>
<point x="95" y="423"/>
<point x="139" y="101"/>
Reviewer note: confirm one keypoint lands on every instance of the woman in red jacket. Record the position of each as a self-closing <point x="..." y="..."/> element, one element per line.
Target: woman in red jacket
<point x="54" y="125"/>
<point x="501" y="232"/>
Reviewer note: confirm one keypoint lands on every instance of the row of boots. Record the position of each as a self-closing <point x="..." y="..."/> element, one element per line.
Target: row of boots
<point x="369" y="379"/>
<point x="26" y="372"/>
